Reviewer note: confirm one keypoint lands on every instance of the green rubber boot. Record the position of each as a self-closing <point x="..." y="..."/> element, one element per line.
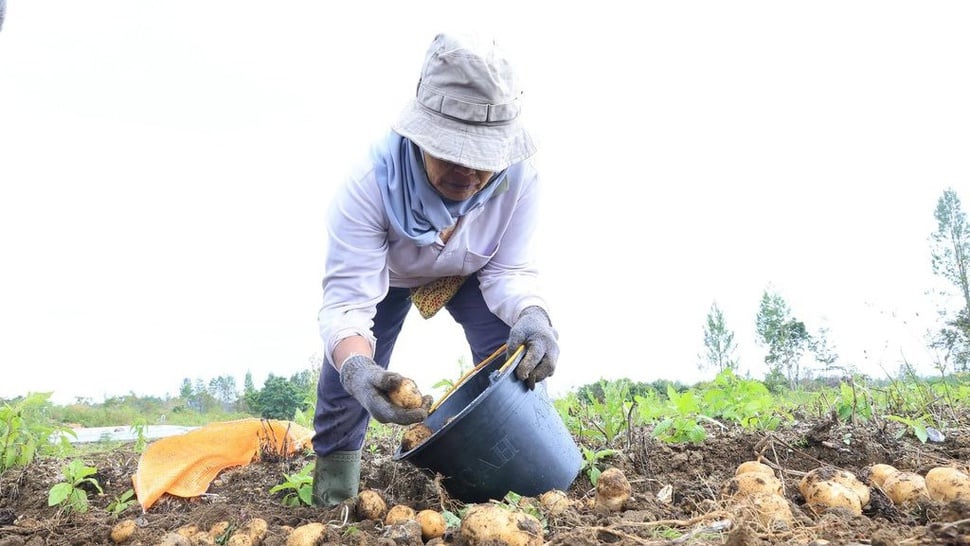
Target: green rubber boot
<point x="336" y="478"/>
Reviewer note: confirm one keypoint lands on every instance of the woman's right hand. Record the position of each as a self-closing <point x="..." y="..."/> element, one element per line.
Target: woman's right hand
<point x="363" y="379"/>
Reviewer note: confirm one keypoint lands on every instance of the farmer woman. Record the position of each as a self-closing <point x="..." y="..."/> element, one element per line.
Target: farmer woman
<point x="441" y="216"/>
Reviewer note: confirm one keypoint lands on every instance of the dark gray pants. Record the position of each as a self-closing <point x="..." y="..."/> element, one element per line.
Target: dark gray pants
<point x="340" y="422"/>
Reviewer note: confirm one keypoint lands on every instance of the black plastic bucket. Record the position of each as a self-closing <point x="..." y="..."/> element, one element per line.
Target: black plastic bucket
<point x="492" y="435"/>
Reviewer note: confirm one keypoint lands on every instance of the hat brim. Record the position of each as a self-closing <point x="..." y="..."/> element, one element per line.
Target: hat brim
<point x="485" y="147"/>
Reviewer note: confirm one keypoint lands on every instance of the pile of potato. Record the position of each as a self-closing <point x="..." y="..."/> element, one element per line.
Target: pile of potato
<point x="903" y="487"/>
<point x="758" y="494"/>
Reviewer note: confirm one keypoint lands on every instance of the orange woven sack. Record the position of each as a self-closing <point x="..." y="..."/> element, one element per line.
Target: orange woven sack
<point x="186" y="464"/>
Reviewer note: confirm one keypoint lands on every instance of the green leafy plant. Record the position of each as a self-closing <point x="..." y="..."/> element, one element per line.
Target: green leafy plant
<point x="591" y="462"/>
<point x="122" y="502"/>
<point x="676" y="420"/>
<point x="297" y="488"/>
<point x="743" y="401"/>
<point x="26" y="429"/>
<point x="516" y="502"/>
<point x="607" y="410"/>
<point x="917" y="426"/>
<point x="71" y="494"/>
<point x="139" y="427"/>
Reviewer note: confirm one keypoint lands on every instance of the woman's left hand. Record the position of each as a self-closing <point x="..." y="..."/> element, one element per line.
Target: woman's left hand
<point x="534" y="330"/>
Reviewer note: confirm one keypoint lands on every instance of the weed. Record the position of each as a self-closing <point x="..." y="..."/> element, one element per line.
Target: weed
<point x="122" y="503"/>
<point x="26" y="429"/>
<point x="297" y="488"/>
<point x="71" y="494"/>
<point x="591" y="460"/>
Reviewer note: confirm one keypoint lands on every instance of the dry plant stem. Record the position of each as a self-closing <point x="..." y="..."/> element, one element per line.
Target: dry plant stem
<point x="794" y="450"/>
<point x="718" y="514"/>
<point x="567" y="539"/>
<point x="716" y="527"/>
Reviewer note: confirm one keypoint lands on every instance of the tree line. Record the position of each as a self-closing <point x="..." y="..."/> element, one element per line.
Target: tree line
<point x="787" y="341"/>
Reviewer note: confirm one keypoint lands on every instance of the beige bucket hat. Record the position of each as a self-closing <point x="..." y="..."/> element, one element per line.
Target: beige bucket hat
<point x="466" y="109"/>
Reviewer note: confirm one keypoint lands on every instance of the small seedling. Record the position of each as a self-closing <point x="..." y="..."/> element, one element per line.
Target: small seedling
<point x="298" y="488"/>
<point x="122" y="503"/>
<point x="71" y="493"/>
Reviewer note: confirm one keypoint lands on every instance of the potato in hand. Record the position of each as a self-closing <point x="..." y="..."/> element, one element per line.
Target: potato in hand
<point x="406" y="395"/>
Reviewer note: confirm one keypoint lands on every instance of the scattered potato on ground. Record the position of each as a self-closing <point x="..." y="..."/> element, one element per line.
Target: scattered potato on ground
<point x="239" y="540"/>
<point x="488" y="524"/>
<point x="175" y="539"/>
<point x="749" y="483"/>
<point x="945" y="484"/>
<point x="905" y="487"/>
<point x="123" y="531"/>
<point x="203" y="538"/>
<point x="851" y="481"/>
<point x="306" y="535"/>
<point x="406" y="395"/>
<point x="218" y="529"/>
<point x="414" y="435"/>
<point x="821" y="496"/>
<point x="756" y="467"/>
<point x="406" y="532"/>
<point x="554" y="501"/>
<point x="399" y="513"/>
<point x="836" y="475"/>
<point x="371" y="505"/>
<point x="613" y="490"/>
<point x="433" y="524"/>
<point x="255" y="529"/>
<point x="770" y="510"/>
<point x="879" y="472"/>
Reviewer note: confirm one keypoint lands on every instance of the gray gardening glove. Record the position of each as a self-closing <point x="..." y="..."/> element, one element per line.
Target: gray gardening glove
<point x="369" y="384"/>
<point x="534" y="330"/>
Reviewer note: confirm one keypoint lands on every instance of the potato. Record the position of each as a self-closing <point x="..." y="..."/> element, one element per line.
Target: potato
<point x="905" y="487"/>
<point x="306" y="535"/>
<point x="771" y="510"/>
<point x="407" y="532"/>
<point x="239" y="540"/>
<point x="490" y="524"/>
<point x="749" y="483"/>
<point x="175" y="539"/>
<point x="850" y="480"/>
<point x="371" y="505"/>
<point x="757" y="467"/>
<point x="613" y="490"/>
<point x="218" y="529"/>
<point x="406" y="395"/>
<point x="821" y="496"/>
<point x="837" y="475"/>
<point x="188" y="531"/>
<point x="879" y="472"/>
<point x="399" y="513"/>
<point x="433" y="524"/>
<point x="123" y="531"/>
<point x="414" y="435"/>
<point x="945" y="484"/>
<point x="202" y="538"/>
<point x="554" y="502"/>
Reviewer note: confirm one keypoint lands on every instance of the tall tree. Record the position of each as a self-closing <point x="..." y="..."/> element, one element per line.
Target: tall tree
<point x="786" y="338"/>
<point x="950" y="255"/>
<point x="223" y="388"/>
<point x="719" y="342"/>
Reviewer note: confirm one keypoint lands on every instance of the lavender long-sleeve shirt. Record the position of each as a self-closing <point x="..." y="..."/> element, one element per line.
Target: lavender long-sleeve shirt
<point x="365" y="256"/>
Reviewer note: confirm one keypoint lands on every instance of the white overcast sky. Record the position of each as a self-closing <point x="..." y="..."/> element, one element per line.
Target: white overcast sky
<point x="165" y="166"/>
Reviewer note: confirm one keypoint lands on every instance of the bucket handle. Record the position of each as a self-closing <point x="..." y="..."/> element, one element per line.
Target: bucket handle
<point x="472" y="372"/>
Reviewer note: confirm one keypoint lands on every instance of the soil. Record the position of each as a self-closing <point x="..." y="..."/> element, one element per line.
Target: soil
<point x="677" y="495"/>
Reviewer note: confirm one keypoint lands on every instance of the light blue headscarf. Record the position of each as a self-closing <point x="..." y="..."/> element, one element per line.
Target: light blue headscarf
<point x="415" y="209"/>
